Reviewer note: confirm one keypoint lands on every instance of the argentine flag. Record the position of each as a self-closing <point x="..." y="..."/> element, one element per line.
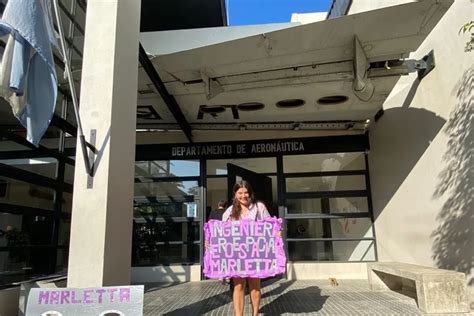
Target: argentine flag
<point x="27" y="77"/>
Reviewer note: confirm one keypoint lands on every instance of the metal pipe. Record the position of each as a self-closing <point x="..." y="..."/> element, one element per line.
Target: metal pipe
<point x="72" y="88"/>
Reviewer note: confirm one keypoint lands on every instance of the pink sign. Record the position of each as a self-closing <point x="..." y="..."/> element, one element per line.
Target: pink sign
<point x="244" y="248"/>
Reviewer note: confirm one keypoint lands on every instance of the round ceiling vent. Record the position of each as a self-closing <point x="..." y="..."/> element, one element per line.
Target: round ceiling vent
<point x="212" y="109"/>
<point x="333" y="99"/>
<point x="290" y="103"/>
<point x="251" y="106"/>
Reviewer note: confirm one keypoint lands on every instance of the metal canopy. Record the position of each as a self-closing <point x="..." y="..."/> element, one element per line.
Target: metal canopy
<point x="341" y="69"/>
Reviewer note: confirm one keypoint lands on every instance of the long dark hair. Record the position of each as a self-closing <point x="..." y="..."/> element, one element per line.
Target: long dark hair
<point x="236" y="207"/>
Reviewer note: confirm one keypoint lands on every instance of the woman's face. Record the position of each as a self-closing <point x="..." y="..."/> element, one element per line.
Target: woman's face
<point x="242" y="195"/>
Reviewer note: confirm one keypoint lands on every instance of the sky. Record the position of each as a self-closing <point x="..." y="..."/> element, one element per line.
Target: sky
<point x="245" y="12"/>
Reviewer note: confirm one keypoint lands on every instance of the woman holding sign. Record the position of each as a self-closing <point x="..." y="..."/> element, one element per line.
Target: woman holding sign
<point x="245" y="207"/>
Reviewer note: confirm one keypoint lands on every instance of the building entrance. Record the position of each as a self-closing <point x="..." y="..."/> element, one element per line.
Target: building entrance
<point x="319" y="187"/>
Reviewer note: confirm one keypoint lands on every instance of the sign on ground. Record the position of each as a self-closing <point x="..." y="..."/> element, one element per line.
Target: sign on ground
<point x="100" y="301"/>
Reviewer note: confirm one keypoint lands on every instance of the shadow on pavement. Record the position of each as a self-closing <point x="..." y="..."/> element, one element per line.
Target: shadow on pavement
<point x="304" y="300"/>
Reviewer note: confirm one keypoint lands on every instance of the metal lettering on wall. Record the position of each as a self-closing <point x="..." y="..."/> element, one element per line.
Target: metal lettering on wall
<point x="258" y="148"/>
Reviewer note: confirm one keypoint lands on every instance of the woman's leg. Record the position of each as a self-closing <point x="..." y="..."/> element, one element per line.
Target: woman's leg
<point x="239" y="295"/>
<point x="255" y="294"/>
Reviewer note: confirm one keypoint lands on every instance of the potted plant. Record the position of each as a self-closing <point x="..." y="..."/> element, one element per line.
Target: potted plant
<point x="18" y="256"/>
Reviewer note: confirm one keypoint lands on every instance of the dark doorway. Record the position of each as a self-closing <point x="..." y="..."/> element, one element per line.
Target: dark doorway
<point x="261" y="184"/>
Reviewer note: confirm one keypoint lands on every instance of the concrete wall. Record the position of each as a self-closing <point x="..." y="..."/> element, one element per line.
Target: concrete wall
<point x="421" y="157"/>
<point x="324" y="270"/>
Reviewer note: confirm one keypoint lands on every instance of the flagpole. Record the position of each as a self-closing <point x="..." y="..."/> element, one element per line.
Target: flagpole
<point x="72" y="88"/>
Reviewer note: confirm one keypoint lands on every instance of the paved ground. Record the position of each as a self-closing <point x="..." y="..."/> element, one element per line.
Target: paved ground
<point x="279" y="297"/>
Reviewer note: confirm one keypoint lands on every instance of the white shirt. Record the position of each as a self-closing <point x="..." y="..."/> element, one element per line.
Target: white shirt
<point x="257" y="211"/>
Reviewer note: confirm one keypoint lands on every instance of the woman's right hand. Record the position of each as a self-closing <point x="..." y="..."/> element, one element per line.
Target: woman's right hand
<point x="206" y="244"/>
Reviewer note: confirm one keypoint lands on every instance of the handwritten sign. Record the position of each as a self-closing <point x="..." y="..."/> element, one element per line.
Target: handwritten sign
<point x="116" y="300"/>
<point x="244" y="248"/>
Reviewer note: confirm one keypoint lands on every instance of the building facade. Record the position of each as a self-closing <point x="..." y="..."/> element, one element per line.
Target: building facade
<point x="391" y="181"/>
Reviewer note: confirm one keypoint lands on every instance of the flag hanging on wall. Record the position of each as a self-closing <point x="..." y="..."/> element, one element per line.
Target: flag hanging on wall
<point x="27" y="77"/>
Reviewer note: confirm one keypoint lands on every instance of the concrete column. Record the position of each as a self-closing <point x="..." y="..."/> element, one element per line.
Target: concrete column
<point x="101" y="229"/>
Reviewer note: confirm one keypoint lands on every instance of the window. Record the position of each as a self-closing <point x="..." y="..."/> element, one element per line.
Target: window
<point x="328" y="211"/>
<point x="335" y="205"/>
<point x="167" y="215"/>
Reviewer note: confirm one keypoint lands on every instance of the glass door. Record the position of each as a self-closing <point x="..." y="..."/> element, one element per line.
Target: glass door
<point x="219" y="178"/>
<point x="261" y="185"/>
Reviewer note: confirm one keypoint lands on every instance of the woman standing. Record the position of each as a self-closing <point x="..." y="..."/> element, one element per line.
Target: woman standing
<point x="245" y="207"/>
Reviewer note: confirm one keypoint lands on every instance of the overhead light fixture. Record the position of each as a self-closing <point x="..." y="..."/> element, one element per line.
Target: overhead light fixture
<point x="250" y="106"/>
<point x="290" y="103"/>
<point x="333" y="99"/>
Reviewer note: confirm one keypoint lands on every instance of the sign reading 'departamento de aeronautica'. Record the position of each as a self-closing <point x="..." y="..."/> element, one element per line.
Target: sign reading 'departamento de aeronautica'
<point x="100" y="301"/>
